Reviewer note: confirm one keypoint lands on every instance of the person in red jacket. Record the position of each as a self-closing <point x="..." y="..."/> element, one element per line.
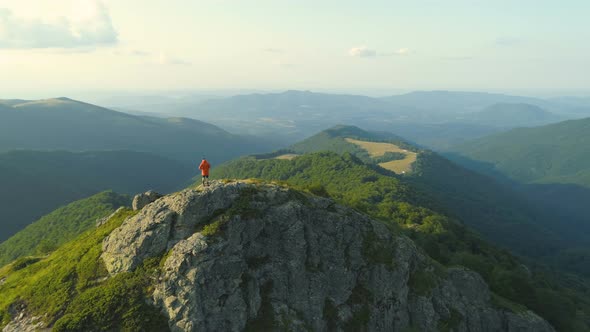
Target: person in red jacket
<point x="204" y="167"/>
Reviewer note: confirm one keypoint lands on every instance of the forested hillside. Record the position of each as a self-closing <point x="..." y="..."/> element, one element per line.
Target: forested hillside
<point x="500" y="213"/>
<point x="60" y="226"/>
<point x="375" y="191"/>
<point x="35" y="183"/>
<point x="557" y="153"/>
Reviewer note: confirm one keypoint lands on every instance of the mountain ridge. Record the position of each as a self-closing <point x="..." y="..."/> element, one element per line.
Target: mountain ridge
<point x="72" y="125"/>
<point x="243" y="250"/>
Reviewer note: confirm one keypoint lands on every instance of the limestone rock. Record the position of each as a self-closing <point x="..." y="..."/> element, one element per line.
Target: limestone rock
<point x="160" y="225"/>
<point x="263" y="257"/>
<point x="141" y="200"/>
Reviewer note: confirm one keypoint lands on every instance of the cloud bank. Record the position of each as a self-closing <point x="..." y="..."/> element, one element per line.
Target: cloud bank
<point x="93" y="28"/>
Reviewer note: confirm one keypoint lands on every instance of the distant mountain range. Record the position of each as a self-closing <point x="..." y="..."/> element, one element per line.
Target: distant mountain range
<point x="67" y="124"/>
<point x="437" y="119"/>
<point x="509" y="115"/>
<point x="461" y="102"/>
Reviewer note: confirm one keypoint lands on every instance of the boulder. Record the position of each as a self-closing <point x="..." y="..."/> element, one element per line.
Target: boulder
<point x="141" y="200"/>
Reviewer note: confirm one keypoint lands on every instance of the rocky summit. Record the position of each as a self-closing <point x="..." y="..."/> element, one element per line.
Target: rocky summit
<point x="252" y="256"/>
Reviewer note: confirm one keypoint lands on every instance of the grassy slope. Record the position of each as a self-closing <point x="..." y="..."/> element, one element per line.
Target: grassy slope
<point x="403" y="161"/>
<point x="67" y="288"/>
<point x="35" y="183"/>
<point x="558" y="153"/>
<point x="60" y="226"/>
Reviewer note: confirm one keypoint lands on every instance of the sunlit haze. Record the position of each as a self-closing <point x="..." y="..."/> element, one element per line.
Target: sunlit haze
<point x="71" y="45"/>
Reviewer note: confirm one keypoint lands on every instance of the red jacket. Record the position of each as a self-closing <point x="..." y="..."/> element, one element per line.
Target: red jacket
<point x="204" y="167"/>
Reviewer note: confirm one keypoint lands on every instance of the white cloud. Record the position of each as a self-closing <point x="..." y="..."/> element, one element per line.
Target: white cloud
<point x="164" y="59"/>
<point x="90" y="25"/>
<point x="362" y="52"/>
<point x="401" y="51"/>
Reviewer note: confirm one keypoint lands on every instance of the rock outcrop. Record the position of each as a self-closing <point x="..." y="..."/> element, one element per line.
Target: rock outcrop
<point x="242" y="256"/>
<point x="22" y="321"/>
<point x="141" y="200"/>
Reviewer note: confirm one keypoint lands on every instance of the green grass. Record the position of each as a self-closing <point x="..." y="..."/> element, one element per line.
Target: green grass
<point x="69" y="281"/>
<point x="214" y="228"/>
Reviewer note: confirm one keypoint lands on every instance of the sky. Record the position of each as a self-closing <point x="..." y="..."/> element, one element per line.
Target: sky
<point x="60" y="46"/>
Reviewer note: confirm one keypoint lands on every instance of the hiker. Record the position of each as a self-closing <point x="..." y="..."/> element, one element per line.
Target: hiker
<point x="204" y="167"/>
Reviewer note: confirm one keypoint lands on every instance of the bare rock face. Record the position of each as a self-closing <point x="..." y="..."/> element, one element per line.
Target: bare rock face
<point x="141" y="200"/>
<point x="262" y="257"/>
<point x="159" y="226"/>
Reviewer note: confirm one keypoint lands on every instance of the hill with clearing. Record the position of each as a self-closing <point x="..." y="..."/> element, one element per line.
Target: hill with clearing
<point x="379" y="148"/>
<point x="401" y="165"/>
<point x="499" y="212"/>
